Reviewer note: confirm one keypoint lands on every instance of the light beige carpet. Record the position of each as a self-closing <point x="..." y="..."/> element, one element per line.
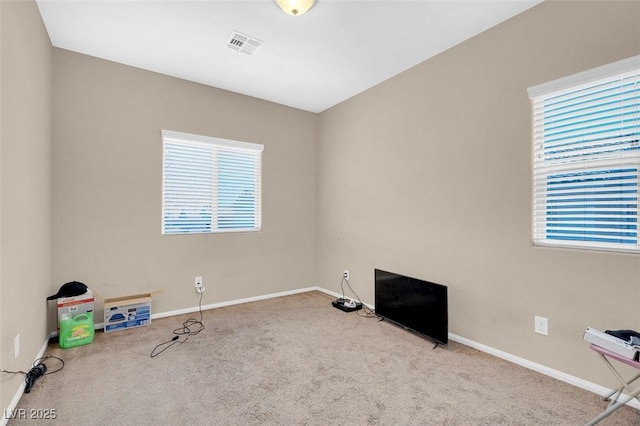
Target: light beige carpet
<point x="296" y="360"/>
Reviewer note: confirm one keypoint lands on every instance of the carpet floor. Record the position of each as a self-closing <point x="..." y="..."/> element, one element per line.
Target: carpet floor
<point x="296" y="360"/>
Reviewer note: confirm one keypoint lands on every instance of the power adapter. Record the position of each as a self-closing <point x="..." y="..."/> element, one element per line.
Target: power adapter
<point x="347" y="305"/>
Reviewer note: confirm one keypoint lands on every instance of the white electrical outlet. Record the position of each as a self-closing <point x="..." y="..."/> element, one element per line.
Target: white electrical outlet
<point x="541" y="325"/>
<point x="16" y="346"/>
<point x="345" y="274"/>
<point x="199" y="285"/>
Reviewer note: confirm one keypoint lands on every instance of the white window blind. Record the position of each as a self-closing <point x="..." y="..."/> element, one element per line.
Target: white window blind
<point x="210" y="184"/>
<point x="586" y="159"/>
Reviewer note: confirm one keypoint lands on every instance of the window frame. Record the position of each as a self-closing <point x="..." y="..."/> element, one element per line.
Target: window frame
<point x="231" y="168"/>
<point x="620" y="163"/>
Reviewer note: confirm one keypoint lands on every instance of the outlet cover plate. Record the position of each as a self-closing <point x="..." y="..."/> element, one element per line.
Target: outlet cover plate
<point x="541" y="325"/>
<point x="16" y="346"/>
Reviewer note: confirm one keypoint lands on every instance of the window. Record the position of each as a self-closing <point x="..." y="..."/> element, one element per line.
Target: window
<point x="586" y="159"/>
<point x="209" y="184"/>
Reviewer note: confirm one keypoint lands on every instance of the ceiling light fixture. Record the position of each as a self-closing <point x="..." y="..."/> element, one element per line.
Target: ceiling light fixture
<point x="295" y="7"/>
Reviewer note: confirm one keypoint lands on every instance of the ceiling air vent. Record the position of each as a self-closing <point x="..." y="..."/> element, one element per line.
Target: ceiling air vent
<point x="243" y="43"/>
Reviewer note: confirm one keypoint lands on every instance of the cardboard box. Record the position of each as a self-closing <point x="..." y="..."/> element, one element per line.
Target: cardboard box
<point x="72" y="306"/>
<point x="128" y="311"/>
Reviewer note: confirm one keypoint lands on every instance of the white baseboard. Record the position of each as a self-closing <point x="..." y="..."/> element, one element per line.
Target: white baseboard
<point x="231" y="302"/>
<point x="100" y="326"/>
<point x="16" y="398"/>
<point x="556" y="374"/>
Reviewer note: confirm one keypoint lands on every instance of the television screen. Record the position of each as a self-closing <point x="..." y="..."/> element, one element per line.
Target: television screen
<point x="417" y="305"/>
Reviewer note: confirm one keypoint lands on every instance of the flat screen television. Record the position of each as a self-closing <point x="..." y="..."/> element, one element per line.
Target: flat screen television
<point x="417" y="305"/>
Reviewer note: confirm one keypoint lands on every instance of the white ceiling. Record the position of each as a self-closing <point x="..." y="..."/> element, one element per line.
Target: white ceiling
<point x="312" y="62"/>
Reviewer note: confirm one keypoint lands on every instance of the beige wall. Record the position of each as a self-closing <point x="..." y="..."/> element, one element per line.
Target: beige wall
<point x="107" y="177"/>
<point x="428" y="174"/>
<point x="25" y="188"/>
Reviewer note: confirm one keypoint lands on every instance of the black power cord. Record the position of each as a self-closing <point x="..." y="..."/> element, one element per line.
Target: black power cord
<point x="190" y="327"/>
<point x="34" y="374"/>
<point x="369" y="313"/>
<point x="38" y="370"/>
